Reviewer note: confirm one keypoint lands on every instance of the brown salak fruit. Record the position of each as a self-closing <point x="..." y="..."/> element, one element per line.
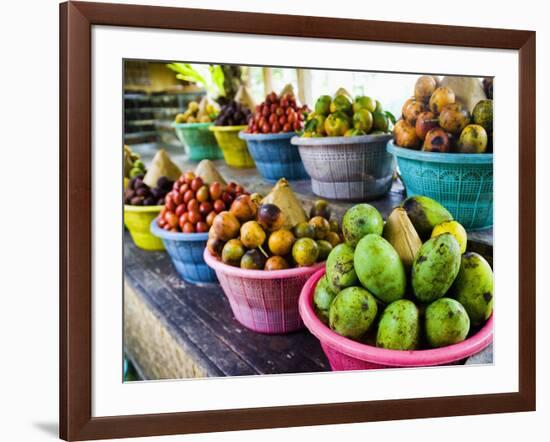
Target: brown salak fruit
<point x="404" y="135"/>
<point x="425" y="122"/>
<point x="453" y="119"/>
<point x="424" y="88"/>
<point x="413" y="110"/>
<point x="437" y="140"/>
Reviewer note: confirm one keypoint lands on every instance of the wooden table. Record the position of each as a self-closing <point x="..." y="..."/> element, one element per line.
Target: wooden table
<point x="174" y="329"/>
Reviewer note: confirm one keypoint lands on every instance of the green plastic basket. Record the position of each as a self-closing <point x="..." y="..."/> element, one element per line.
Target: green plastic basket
<point x="463" y="183"/>
<point x="198" y="140"/>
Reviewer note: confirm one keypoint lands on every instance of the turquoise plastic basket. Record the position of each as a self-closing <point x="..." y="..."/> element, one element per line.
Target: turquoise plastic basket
<point x="198" y="140"/>
<point x="463" y="183"/>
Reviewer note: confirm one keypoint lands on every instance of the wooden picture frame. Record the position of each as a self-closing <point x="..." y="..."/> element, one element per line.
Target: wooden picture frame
<point x="76" y="21"/>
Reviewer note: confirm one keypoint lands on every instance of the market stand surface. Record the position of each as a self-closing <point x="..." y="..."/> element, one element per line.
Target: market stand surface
<point x="174" y="329"/>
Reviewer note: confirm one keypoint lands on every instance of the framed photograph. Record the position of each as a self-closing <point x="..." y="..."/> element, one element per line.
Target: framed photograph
<point x="274" y="220"/>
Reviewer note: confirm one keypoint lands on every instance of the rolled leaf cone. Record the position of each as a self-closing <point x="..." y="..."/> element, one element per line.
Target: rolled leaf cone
<point x="208" y="172"/>
<point x="244" y="97"/>
<point x="401" y="234"/>
<point x="285" y="199"/>
<point x="162" y="165"/>
<point x="468" y="90"/>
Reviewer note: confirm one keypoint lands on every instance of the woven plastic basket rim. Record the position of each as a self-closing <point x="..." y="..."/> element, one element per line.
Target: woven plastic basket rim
<point x="433" y="157"/>
<point x="176" y="236"/>
<point x="337" y="141"/>
<point x="266" y="137"/>
<point x="227" y="128"/>
<point x="397" y="358"/>
<point x="191" y="125"/>
<point x="142" y="209"/>
<point x="217" y="265"/>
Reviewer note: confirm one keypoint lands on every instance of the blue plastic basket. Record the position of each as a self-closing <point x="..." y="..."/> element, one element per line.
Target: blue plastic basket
<point x="186" y="251"/>
<point x="275" y="157"/>
<point x="463" y="183"/>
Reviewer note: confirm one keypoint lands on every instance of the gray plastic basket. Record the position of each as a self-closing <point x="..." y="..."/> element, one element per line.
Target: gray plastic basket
<point x="347" y="168"/>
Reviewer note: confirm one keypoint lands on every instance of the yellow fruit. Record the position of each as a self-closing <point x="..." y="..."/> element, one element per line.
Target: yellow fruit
<point x="455" y="229"/>
<point x="281" y="241"/>
<point x="400" y="233"/>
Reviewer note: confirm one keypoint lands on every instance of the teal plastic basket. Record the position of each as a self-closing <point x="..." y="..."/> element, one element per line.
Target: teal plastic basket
<point x="199" y="141"/>
<point x="463" y="183"/>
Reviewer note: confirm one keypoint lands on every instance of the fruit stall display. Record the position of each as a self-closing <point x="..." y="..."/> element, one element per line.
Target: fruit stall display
<point x="233" y="118"/>
<point x="401" y="293"/>
<point x="264" y="249"/>
<point x="443" y="146"/>
<point x="188" y="213"/>
<point x="192" y="129"/>
<point x="144" y="197"/>
<point x="274" y="123"/>
<point x="343" y="148"/>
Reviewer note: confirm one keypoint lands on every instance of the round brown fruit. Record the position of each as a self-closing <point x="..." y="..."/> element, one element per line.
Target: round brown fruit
<point x="270" y="217"/>
<point x="320" y="225"/>
<point x="413" y="110"/>
<point x="276" y="263"/>
<point x="305" y="251"/>
<point x="188" y="196"/>
<point x="210" y="218"/>
<point x="180" y="210"/>
<point x="252" y="234"/>
<point x="440" y="98"/>
<point x="189" y="176"/>
<point x="425" y="122"/>
<point x="304" y="230"/>
<point x="171" y="219"/>
<point x="404" y="135"/>
<point x="405" y="104"/>
<point x="437" y="140"/>
<point x="197" y="183"/>
<point x="325" y="247"/>
<point x="226" y="226"/>
<point x="206" y="208"/>
<point x="201" y="227"/>
<point x="193" y="205"/>
<point x="219" y="206"/>
<point x="203" y="194"/>
<point x="194" y="217"/>
<point x="232" y="252"/>
<point x="333" y="238"/>
<point x="424" y="88"/>
<point x="281" y="241"/>
<point x="454" y="119"/>
<point x="215" y="246"/>
<point x="188" y="228"/>
<point x="244" y="208"/>
<point x="320" y="208"/>
<point x="253" y="260"/>
<point x="183" y="219"/>
<point x="215" y="190"/>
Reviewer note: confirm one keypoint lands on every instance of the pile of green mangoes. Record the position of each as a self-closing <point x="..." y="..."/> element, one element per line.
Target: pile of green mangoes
<point x="406" y="284"/>
<point x="343" y="116"/>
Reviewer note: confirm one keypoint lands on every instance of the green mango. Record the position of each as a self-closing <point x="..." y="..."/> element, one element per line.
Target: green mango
<point x="447" y="322"/>
<point x="322" y="105"/>
<point x="435" y="267"/>
<point x="339" y="268"/>
<point x="379" y="268"/>
<point x="425" y="213"/>
<point x="360" y="220"/>
<point x="473" y="287"/>
<point x="322" y="299"/>
<point x="364" y="102"/>
<point x="341" y="103"/>
<point x="352" y="312"/>
<point x="399" y="326"/>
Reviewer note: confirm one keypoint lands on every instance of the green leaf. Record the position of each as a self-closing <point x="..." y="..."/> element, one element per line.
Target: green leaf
<point x="390" y="116"/>
<point x="218" y="78"/>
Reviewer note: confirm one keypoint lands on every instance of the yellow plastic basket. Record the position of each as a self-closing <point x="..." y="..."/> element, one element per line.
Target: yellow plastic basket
<point x="235" y="150"/>
<point x="137" y="220"/>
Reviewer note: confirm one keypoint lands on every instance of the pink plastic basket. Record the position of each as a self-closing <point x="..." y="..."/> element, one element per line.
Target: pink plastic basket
<point x="345" y="354"/>
<point x="263" y="301"/>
